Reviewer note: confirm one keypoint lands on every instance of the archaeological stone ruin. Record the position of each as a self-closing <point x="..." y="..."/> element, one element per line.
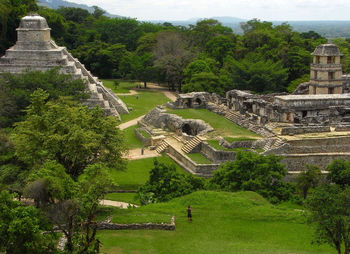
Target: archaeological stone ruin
<point x="34" y="50"/>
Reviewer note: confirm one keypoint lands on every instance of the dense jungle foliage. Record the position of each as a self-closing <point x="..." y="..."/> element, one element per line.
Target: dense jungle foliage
<point x="203" y="57"/>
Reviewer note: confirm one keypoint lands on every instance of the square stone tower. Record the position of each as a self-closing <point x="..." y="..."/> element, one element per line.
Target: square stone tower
<point x="326" y="70"/>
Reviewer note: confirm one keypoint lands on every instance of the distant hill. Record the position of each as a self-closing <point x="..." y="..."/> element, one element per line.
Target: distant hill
<point x="328" y="29"/>
<point x="55" y="4"/>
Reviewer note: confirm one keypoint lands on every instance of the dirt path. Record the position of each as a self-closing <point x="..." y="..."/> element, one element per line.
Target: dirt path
<point x="135" y="154"/>
<point x="119" y="204"/>
<point x="130" y="123"/>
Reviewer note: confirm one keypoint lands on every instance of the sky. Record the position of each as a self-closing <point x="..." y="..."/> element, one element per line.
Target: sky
<point x="245" y="9"/>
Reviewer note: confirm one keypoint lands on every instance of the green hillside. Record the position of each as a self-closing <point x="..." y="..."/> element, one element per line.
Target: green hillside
<point x="241" y="222"/>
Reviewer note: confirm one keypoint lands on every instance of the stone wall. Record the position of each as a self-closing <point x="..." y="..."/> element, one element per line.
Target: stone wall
<point x="297" y="162"/>
<point x="191" y="166"/>
<point x="145" y="141"/>
<point x="304" y="129"/>
<point x="215" y="155"/>
<point x="137" y="226"/>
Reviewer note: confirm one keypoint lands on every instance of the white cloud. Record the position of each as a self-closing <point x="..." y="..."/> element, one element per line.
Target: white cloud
<point x="262" y="9"/>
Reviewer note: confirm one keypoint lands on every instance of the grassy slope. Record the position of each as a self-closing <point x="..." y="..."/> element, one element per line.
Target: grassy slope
<point x="240" y="222"/>
<point x="123" y="197"/>
<point x="142" y="103"/>
<point x="222" y="126"/>
<point x="137" y="172"/>
<point x="132" y="141"/>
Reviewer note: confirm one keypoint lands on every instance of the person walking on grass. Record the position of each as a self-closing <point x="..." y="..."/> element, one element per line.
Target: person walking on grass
<point x="189" y="213"/>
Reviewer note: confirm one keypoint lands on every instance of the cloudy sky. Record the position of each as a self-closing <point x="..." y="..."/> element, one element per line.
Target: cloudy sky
<point x="246" y="9"/>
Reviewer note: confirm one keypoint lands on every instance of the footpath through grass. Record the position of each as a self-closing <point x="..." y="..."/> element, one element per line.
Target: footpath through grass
<point x="222" y="126"/>
<point x="241" y="222"/>
<point x="137" y="172"/>
<point x="142" y="103"/>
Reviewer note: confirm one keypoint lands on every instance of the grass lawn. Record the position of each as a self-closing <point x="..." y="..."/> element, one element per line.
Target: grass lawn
<point x="222" y="126"/>
<point x="198" y="158"/>
<point x="124" y="86"/>
<point x="137" y="172"/>
<point x="241" y="222"/>
<point x="123" y="197"/>
<point x="142" y="103"/>
<point x="131" y="140"/>
<point x="231" y="139"/>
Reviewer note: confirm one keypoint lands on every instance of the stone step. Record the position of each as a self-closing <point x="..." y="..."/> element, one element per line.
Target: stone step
<point x="161" y="148"/>
<point x="190" y="145"/>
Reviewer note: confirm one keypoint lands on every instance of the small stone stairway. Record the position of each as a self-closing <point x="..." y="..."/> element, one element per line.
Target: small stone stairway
<point x="273" y="144"/>
<point x="190" y="145"/>
<point x="235" y="116"/>
<point x="161" y="148"/>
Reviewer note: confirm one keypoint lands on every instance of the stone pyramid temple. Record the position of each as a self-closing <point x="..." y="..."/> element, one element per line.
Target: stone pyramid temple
<point x="34" y="50"/>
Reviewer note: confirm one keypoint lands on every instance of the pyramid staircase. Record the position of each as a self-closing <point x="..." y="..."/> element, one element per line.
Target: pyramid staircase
<point x="192" y="144"/>
<point x="162" y="146"/>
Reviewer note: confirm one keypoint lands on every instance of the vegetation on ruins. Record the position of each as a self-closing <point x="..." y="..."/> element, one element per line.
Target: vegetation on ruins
<point x="254" y="172"/>
<point x="60" y="156"/>
<point x="329" y="211"/>
<point x="166" y="183"/>
<point x="307" y="179"/>
<point x="15" y="91"/>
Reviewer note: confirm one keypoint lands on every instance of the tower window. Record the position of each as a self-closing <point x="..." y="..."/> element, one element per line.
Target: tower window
<point x="315" y="74"/>
<point x="317" y="59"/>
<point x="330" y="75"/>
<point x="330" y="59"/>
<point x="331" y="90"/>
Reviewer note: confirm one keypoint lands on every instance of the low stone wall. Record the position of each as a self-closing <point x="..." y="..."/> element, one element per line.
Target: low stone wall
<point x="215" y="155"/>
<point x="342" y="128"/>
<point x="321" y="141"/>
<point x="303" y="130"/>
<point x="237" y="144"/>
<point x="137" y="226"/>
<point x="145" y="141"/>
<point x="191" y="166"/>
<point x="297" y="162"/>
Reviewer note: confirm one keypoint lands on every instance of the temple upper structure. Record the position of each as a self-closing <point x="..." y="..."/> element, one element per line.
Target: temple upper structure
<point x="34" y="50"/>
<point x="326" y="70"/>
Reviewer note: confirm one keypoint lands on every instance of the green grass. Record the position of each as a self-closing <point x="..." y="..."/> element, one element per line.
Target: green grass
<point x="199" y="158"/>
<point x="144" y="133"/>
<point x="231" y="139"/>
<point x="137" y="172"/>
<point x="131" y="140"/>
<point x="123" y="197"/>
<point x="124" y="86"/>
<point x="241" y="222"/>
<point x="222" y="126"/>
<point x="142" y="103"/>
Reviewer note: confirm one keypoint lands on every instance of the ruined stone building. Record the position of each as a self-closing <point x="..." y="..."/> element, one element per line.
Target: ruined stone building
<point x="34" y="50"/>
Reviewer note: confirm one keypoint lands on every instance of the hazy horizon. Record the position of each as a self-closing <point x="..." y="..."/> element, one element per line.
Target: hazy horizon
<point x="269" y="10"/>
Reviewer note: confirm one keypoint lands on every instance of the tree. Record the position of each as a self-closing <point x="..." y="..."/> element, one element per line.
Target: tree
<point x="16" y="90"/>
<point x="204" y="82"/>
<point x="339" y="172"/>
<point x="329" y="212"/>
<point x="171" y="55"/>
<point x="254" y="172"/>
<point x="70" y="134"/>
<point x="21" y="228"/>
<point x="71" y="205"/>
<point x="310" y="178"/>
<point x="220" y="47"/>
<point x="255" y="74"/>
<point x="165" y="183"/>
